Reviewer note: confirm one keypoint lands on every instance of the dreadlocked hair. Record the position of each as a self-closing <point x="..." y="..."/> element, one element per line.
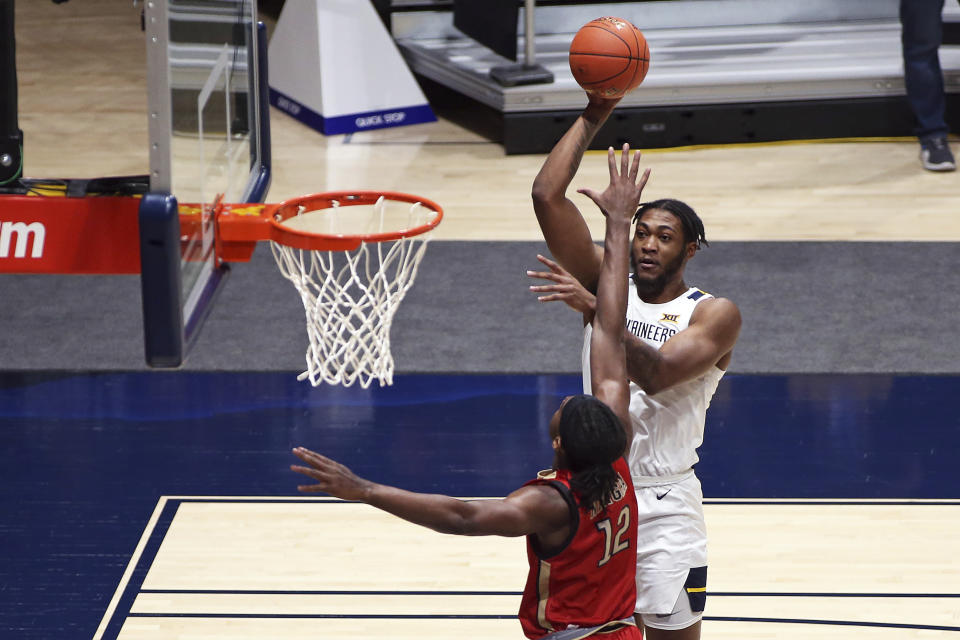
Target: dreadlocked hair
<point x="689" y="220"/>
<point x="592" y="439"/>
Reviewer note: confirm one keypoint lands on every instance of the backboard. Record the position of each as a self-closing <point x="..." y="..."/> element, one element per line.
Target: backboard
<point x="209" y="140"/>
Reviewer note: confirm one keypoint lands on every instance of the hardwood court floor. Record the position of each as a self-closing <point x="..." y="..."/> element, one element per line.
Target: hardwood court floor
<point x="243" y="569"/>
<point x="83" y="113"/>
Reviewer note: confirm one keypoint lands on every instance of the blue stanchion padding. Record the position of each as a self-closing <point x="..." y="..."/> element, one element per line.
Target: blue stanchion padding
<point x="353" y="122"/>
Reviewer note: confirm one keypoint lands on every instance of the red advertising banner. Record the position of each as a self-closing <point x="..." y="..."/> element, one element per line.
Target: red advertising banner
<point x="40" y="234"/>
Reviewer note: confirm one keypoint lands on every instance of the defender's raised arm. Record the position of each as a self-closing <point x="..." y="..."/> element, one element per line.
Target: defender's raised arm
<point x="618" y="202"/>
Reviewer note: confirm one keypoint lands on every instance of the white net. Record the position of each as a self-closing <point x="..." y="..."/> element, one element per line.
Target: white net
<point x="350" y="298"/>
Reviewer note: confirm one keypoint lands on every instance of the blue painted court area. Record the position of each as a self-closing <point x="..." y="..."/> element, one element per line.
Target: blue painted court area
<point x="85" y="458"/>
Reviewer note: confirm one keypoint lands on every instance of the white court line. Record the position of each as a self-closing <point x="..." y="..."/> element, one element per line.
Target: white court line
<point x="296" y="498"/>
<point x="134" y="559"/>
<point x="904" y="501"/>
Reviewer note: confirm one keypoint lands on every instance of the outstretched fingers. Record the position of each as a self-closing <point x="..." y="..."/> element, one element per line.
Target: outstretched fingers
<point x="643" y="179"/>
<point x="311" y="457"/>
<point x="624" y="162"/>
<point x="307" y="471"/>
<point x="626" y="183"/>
<point x="635" y="166"/>
<point x="612" y="164"/>
<point x="556" y="273"/>
<point x="552" y="265"/>
<point x="314" y="475"/>
<point x="629" y="165"/>
<point x="594" y="195"/>
<point x="320" y="469"/>
<point x="563" y="287"/>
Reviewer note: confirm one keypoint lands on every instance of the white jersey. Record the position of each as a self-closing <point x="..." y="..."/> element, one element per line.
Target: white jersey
<point x="667" y="426"/>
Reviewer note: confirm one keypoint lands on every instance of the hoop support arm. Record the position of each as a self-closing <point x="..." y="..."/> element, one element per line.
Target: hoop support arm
<point x="239" y="228"/>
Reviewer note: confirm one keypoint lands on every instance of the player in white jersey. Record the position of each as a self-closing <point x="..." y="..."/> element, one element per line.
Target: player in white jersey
<point x="679" y="341"/>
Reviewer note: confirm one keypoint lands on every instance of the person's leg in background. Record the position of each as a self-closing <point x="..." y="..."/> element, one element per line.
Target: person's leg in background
<point x="921" y="37"/>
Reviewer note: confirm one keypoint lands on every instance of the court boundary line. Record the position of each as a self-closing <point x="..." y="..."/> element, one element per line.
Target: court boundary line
<point x="841" y="623"/>
<point x="905" y="502"/>
<point x="131" y="567"/>
<point x="398" y="592"/>
<point x="814" y="501"/>
<point x="127" y="595"/>
<point x="374" y="616"/>
<point x="333" y="592"/>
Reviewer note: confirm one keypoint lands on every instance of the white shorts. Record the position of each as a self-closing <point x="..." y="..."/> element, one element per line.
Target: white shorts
<point x="683" y="614"/>
<point x="671" y="540"/>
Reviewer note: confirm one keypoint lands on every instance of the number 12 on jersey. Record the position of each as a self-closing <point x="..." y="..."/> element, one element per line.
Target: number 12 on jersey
<point x="614" y="543"/>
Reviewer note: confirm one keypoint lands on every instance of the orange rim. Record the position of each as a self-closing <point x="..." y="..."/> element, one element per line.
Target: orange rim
<point x="299" y="239"/>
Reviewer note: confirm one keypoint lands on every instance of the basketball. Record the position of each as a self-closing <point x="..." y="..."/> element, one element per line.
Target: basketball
<point x="609" y="57"/>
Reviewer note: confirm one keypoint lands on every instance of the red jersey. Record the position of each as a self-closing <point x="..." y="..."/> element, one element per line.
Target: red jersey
<point x="590" y="580"/>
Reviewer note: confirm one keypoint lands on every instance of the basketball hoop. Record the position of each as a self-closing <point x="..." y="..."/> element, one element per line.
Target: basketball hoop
<point x="352" y="267"/>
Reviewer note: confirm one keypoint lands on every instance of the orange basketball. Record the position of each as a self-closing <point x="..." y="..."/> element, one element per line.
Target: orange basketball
<point x="609" y="57"/>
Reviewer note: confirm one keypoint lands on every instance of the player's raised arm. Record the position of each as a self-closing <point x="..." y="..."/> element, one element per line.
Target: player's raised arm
<point x="528" y="510"/>
<point x="564" y="228"/>
<point x="618" y="202"/>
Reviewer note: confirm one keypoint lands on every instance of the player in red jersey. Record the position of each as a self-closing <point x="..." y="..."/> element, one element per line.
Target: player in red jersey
<point x="580" y="518"/>
<point x="583" y="583"/>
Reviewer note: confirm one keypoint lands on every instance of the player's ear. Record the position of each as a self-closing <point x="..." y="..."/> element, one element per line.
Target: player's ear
<point x="557" y="445"/>
<point x="691" y="249"/>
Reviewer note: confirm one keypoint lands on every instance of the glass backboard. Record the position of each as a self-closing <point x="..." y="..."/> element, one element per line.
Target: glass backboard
<point x="209" y="139"/>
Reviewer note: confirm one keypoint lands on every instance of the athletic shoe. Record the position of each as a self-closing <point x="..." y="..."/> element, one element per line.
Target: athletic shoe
<point x="936" y="156"/>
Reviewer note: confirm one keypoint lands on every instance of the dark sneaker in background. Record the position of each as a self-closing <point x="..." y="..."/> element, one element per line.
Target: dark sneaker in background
<point x="936" y="156"/>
